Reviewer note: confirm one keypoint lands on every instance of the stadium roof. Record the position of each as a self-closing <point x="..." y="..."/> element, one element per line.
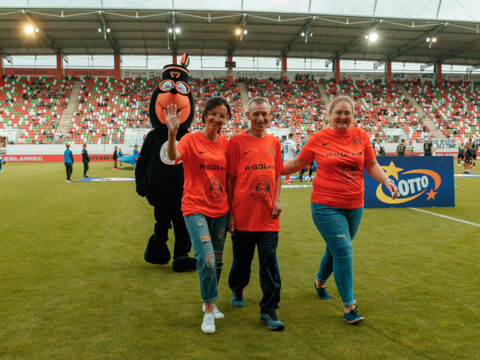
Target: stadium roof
<point x="335" y="28"/>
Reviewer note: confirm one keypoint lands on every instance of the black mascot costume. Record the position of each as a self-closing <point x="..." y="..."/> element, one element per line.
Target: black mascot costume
<point x="160" y="179"/>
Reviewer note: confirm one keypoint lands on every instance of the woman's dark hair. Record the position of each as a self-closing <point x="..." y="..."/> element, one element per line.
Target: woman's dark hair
<point x="213" y="102"/>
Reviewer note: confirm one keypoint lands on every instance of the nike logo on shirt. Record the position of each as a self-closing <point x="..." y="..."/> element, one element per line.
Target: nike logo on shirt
<point x="325" y="144"/>
<point x="202" y="152"/>
<point x="246" y="152"/>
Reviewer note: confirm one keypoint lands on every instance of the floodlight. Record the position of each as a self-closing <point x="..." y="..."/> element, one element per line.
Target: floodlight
<point x="177" y="30"/>
<point x="366" y="37"/>
<point x="238" y="31"/>
<point x="373" y="37"/>
<point x="99" y="30"/>
<point x="428" y="39"/>
<point x="434" y="39"/>
<point x="303" y="34"/>
<point x="170" y="30"/>
<point x="108" y="30"/>
<point x="36" y="29"/>
<point x="245" y="32"/>
<point x="29" y="29"/>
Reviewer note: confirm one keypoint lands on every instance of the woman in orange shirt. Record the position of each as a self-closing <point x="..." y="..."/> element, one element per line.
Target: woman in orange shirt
<point x="204" y="202"/>
<point x="341" y="151"/>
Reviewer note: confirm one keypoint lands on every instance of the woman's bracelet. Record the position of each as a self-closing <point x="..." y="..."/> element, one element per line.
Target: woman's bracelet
<point x="385" y="182"/>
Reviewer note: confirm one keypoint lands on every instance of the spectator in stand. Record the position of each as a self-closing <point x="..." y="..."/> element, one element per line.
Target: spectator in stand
<point x="288" y="153"/>
<point x="205" y="201"/>
<point x="115" y="158"/>
<point x="85" y="160"/>
<point x="68" y="160"/>
<point x="254" y="199"/>
<point x="120" y="154"/>
<point x="401" y="148"/>
<point x="337" y="196"/>
<point x="428" y="147"/>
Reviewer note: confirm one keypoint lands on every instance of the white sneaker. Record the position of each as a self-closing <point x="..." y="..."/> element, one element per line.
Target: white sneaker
<point x="216" y="313"/>
<point x="208" y="325"/>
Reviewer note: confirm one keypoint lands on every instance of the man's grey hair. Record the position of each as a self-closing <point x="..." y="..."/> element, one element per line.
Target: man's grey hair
<point x="258" y="100"/>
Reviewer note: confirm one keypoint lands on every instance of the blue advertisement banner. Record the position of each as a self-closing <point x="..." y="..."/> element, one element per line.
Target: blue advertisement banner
<point x="421" y="181"/>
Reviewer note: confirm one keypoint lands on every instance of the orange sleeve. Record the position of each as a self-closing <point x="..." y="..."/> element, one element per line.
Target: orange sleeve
<point x="368" y="150"/>
<point x="183" y="146"/>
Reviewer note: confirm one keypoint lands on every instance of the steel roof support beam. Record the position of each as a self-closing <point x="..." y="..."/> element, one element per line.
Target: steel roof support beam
<point x="50" y="43"/>
<point x="298" y="36"/>
<point x="421" y="39"/>
<point x="107" y="34"/>
<point x="238" y="38"/>
<point x="460" y="50"/>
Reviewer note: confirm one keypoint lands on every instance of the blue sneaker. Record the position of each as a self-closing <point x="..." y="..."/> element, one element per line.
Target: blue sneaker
<point x="322" y="292"/>
<point x="272" y="321"/>
<point x="353" y="317"/>
<point x="237" y="299"/>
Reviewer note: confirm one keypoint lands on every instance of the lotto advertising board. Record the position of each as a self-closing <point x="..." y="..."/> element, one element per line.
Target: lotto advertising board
<point x="421" y="181"/>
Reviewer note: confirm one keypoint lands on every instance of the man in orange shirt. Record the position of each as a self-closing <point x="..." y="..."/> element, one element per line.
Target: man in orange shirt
<point x="254" y="161"/>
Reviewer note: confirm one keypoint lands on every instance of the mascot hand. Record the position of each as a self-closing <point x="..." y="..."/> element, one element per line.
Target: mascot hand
<point x="172" y="118"/>
<point x="141" y="190"/>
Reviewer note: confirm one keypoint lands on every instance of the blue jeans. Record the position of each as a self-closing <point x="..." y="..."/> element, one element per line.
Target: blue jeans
<point x="208" y="239"/>
<point x="243" y="250"/>
<point x="338" y="228"/>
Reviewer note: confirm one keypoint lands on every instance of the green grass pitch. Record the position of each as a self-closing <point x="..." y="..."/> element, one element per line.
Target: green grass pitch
<point x="74" y="285"/>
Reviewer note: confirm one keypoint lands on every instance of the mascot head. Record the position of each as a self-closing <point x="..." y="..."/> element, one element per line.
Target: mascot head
<point x="173" y="89"/>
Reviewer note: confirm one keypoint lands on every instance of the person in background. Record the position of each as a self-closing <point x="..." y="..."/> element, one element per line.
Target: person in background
<point x="467" y="164"/>
<point x="401" y="148"/>
<point x="428" y="147"/>
<point x="288" y="153"/>
<point x="115" y="158"/>
<point x="85" y="160"/>
<point x="2" y="162"/>
<point x="120" y="154"/>
<point x="341" y="152"/>
<point x="474" y="148"/>
<point x="204" y="202"/>
<point x="461" y="153"/>
<point x="136" y="154"/>
<point x="253" y="186"/>
<point x="297" y="151"/>
<point x="68" y="160"/>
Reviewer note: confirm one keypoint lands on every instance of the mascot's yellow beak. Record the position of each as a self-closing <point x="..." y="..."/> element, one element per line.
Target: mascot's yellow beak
<point x="165" y="99"/>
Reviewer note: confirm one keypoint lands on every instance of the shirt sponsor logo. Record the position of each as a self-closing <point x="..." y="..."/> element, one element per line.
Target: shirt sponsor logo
<point x="212" y="167"/>
<point x="344" y="154"/>
<point x="258" y="167"/>
<point x="164" y="155"/>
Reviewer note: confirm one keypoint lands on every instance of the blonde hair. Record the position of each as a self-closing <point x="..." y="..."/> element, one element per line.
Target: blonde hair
<point x="338" y="99"/>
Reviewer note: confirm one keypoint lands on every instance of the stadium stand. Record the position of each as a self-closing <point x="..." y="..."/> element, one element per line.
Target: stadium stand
<point x="378" y="105"/>
<point x="453" y="106"/>
<point x="296" y="105"/>
<point x="33" y="106"/>
<point x="106" y="107"/>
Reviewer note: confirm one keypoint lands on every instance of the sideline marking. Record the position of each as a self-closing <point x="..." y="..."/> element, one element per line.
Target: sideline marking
<point x="445" y="217"/>
<point x="295" y="186"/>
<point x="107" y="179"/>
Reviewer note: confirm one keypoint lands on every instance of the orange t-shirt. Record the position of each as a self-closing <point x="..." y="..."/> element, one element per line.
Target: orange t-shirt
<point x="256" y="163"/>
<point x="205" y="169"/>
<point x="340" y="158"/>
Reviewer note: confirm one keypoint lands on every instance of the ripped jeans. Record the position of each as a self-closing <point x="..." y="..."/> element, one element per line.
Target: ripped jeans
<point x="208" y="239"/>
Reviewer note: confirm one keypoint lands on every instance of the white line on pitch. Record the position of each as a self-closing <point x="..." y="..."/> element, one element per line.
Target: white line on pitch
<point x="446" y="217"/>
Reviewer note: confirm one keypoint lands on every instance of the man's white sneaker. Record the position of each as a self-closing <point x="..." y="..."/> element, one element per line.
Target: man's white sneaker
<point x="208" y="325"/>
<point x="216" y="313"/>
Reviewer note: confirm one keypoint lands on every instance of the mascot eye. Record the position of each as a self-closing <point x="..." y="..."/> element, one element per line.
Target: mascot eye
<point x="182" y="87"/>
<point x="166" y="85"/>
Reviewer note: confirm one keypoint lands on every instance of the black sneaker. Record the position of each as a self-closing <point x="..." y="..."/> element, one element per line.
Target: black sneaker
<point x="272" y="321"/>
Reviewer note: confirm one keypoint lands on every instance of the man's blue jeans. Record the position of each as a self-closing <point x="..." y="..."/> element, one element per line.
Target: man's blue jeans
<point x="208" y="239"/>
<point x="338" y="228"/>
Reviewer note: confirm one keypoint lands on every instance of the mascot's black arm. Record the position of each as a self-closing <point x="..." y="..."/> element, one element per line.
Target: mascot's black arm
<point x="142" y="164"/>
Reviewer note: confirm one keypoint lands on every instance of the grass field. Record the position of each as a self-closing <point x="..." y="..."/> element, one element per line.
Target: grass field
<point x="74" y="285"/>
